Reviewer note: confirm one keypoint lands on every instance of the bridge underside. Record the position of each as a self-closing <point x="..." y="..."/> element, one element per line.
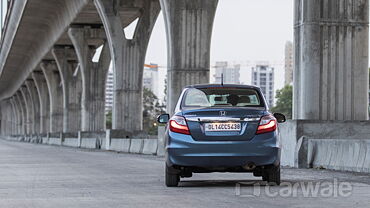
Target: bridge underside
<point x="50" y="84"/>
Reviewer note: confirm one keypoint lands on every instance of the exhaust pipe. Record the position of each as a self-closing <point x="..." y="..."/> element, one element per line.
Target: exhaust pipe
<point x="249" y="166"/>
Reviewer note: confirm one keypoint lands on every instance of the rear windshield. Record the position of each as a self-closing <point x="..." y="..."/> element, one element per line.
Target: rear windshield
<point x="222" y="97"/>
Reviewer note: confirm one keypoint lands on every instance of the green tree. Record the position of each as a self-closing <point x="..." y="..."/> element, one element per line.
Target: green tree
<point x="151" y="109"/>
<point x="284" y="102"/>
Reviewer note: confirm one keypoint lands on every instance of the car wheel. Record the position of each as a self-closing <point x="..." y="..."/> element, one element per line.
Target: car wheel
<point x="172" y="180"/>
<point x="272" y="176"/>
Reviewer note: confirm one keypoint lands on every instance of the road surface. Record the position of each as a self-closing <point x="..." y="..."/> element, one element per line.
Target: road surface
<point x="41" y="176"/>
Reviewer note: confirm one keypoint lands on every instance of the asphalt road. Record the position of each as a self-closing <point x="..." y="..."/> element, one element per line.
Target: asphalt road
<point x="45" y="176"/>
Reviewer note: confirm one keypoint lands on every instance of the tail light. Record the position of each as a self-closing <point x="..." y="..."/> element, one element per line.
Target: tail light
<point x="178" y="124"/>
<point x="267" y="124"/>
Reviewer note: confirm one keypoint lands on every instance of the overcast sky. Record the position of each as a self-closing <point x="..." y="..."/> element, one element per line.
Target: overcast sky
<point x="244" y="31"/>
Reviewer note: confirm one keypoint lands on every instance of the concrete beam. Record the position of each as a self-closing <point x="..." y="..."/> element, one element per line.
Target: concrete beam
<point x="43" y="93"/>
<point x="93" y="78"/>
<point x="95" y="36"/>
<point x="331" y="60"/>
<point x="72" y="89"/>
<point x="34" y="26"/>
<point x="189" y="26"/>
<point x="128" y="57"/>
<point x="55" y="89"/>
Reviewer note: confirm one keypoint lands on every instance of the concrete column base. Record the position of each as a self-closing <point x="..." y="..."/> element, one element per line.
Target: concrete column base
<point x="337" y="145"/>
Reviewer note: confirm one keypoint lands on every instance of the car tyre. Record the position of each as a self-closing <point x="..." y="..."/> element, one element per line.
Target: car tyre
<point x="172" y="180"/>
<point x="272" y="176"/>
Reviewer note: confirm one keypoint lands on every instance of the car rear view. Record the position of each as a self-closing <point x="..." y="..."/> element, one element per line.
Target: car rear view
<point x="222" y="128"/>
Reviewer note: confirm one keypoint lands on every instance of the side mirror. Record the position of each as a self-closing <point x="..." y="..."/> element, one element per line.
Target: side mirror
<point x="280" y="117"/>
<point x="163" y="119"/>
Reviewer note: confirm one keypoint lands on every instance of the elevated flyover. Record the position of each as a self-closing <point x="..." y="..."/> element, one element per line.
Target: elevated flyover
<point x="49" y="84"/>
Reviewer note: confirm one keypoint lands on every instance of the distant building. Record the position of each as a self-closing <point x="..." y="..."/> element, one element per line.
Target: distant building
<point x="263" y="77"/>
<point x="289" y="63"/>
<point x="109" y="92"/>
<point x="231" y="74"/>
<point x="151" y="79"/>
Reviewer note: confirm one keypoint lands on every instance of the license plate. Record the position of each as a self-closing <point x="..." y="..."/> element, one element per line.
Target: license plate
<point x="222" y="127"/>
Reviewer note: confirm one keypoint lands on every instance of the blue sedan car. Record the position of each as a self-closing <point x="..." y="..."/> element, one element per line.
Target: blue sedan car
<point x="222" y="128"/>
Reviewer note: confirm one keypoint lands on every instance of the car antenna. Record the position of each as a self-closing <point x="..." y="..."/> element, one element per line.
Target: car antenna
<point x="222" y="79"/>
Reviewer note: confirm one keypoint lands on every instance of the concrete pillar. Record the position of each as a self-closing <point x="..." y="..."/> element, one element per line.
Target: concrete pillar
<point x="6" y="120"/>
<point x="9" y="117"/>
<point x="331" y="60"/>
<point x="18" y="116"/>
<point x="6" y="116"/>
<point x="43" y="93"/>
<point x="55" y="89"/>
<point x="128" y="57"/>
<point x="3" y="117"/>
<point x="189" y="26"/>
<point x="22" y="111"/>
<point x="72" y="89"/>
<point x="1" y="120"/>
<point x="34" y="98"/>
<point x="93" y="76"/>
<point x="15" y="118"/>
<point x="30" y="129"/>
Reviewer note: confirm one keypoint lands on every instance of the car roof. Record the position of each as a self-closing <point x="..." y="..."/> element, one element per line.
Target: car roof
<point x="199" y="86"/>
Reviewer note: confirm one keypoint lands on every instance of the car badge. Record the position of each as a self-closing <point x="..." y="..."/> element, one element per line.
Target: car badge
<point x="222" y="113"/>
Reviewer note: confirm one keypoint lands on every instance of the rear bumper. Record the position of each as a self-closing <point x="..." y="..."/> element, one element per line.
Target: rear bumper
<point x="182" y="150"/>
